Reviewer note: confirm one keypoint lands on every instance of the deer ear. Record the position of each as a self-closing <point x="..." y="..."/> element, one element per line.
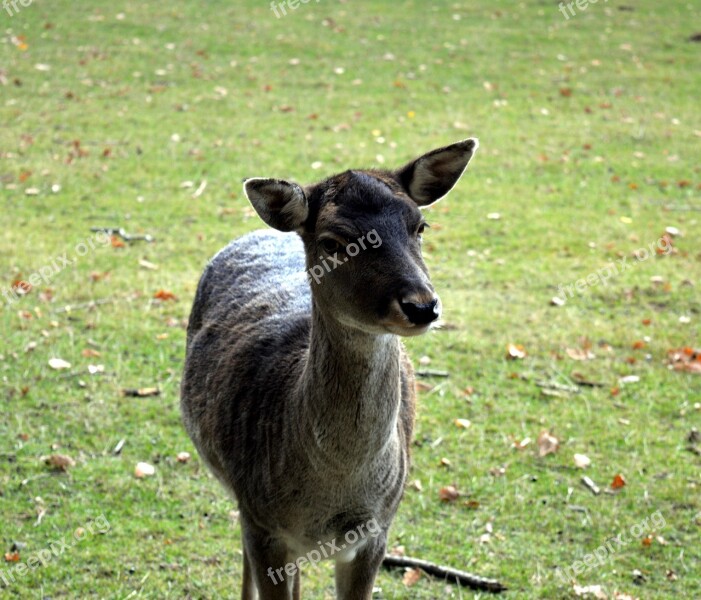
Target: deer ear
<point x="281" y="204"/>
<point x="431" y="176"/>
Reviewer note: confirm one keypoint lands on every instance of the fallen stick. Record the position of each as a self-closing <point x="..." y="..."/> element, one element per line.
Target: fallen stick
<point x="449" y="574"/>
<point x="89" y="305"/>
<point x="123" y="234"/>
<point x="431" y="373"/>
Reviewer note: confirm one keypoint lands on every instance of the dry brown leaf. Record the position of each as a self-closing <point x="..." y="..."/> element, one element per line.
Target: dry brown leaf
<point x="547" y="443"/>
<point x="580" y="353"/>
<point x="618" y="482"/>
<point x="416" y="485"/>
<point x="449" y="493"/>
<point x="411" y="577"/>
<point x="60" y="462"/>
<point x="685" y="359"/>
<point x="164" y="295"/>
<point x="521" y="444"/>
<point x="422" y="386"/>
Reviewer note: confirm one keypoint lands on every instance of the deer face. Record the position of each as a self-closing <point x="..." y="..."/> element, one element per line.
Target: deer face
<point x="362" y="233"/>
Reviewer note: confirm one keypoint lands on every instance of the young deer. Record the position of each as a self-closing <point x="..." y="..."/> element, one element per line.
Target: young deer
<point x="297" y="392"/>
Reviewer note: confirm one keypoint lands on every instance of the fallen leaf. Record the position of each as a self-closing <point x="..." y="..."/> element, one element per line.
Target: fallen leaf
<point x="618" y="482"/>
<point x="59" y="363"/>
<point x="61" y="462"/>
<point x="416" y="485"/>
<point x="411" y="577"/>
<point x="580" y="353"/>
<point x="147" y="265"/>
<point x="521" y="444"/>
<point x="143" y="469"/>
<point x="586" y="591"/>
<point x="582" y="461"/>
<point x="422" y="386"/>
<point x="90" y="353"/>
<point x="515" y="352"/>
<point x="11" y="556"/>
<point x="164" y="295"/>
<point x="557" y="301"/>
<point x="547" y="444"/>
<point x="449" y="493"/>
<point x="686" y="359"/>
<point x="21" y="287"/>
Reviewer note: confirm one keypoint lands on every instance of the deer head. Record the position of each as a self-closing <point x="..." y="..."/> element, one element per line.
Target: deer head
<point x="362" y="232"/>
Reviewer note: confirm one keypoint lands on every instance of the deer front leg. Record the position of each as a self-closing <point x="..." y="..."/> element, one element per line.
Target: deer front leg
<point x="355" y="579"/>
<point x="264" y="576"/>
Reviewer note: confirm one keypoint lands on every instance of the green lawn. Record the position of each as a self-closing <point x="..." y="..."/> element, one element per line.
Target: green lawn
<point x="147" y="115"/>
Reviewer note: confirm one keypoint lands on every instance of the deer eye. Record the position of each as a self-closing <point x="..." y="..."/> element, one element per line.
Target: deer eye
<point x="420" y="229"/>
<point x="331" y="246"/>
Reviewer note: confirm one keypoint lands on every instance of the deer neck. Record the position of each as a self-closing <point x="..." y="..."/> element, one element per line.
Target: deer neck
<point x="351" y="392"/>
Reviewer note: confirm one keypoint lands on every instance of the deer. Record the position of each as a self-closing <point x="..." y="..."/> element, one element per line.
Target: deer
<point x="297" y="391"/>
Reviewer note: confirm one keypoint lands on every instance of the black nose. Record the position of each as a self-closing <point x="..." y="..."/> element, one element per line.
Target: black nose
<point x="421" y="314"/>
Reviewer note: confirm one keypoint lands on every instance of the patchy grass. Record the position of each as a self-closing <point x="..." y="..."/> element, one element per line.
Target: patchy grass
<point x="590" y="138"/>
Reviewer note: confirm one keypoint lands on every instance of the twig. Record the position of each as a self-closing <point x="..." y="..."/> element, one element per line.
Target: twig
<point x="447" y="573"/>
<point x="554" y="385"/>
<point x="91" y="304"/>
<point x="591" y="485"/>
<point x="123" y="234"/>
<point x="432" y="373"/>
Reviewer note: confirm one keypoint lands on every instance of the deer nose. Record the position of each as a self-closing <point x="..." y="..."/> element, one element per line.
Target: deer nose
<point x="421" y="313"/>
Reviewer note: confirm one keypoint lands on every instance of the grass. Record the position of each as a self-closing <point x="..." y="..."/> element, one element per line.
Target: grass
<point x="589" y="133"/>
